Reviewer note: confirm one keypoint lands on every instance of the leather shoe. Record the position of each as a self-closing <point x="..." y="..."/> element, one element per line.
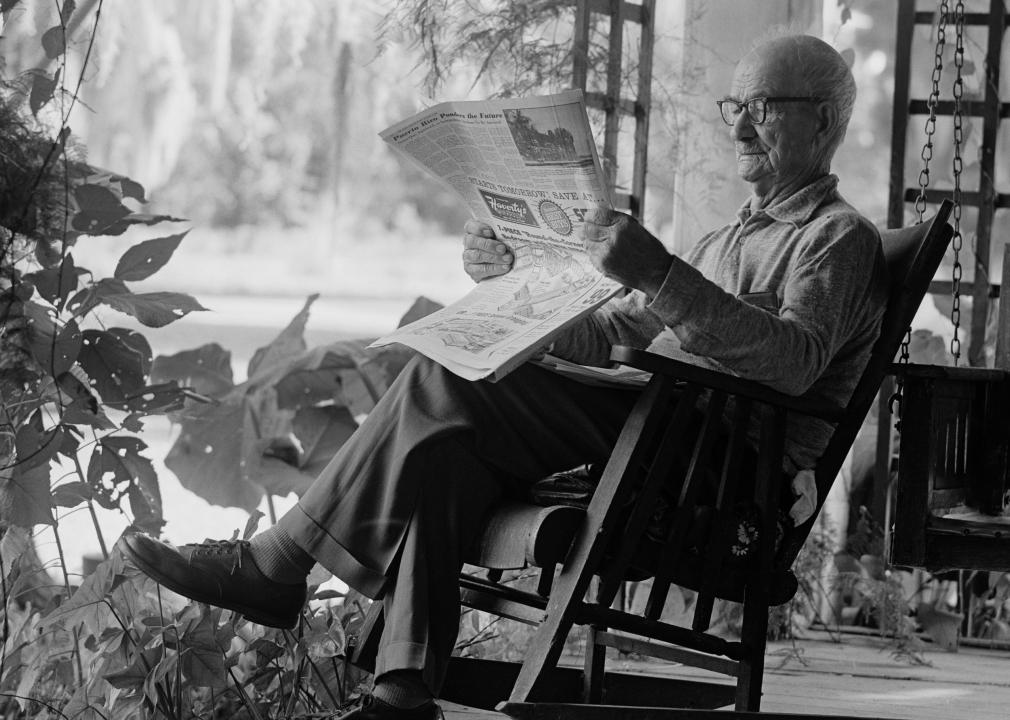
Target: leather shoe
<point x="368" y="707"/>
<point x="221" y="573"/>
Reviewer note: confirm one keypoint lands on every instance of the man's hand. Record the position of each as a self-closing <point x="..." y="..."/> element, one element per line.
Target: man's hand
<point x="484" y="255"/>
<point x="624" y="251"/>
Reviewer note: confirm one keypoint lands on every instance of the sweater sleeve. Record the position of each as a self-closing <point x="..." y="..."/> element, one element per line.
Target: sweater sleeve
<point x="830" y="280"/>
<point x="622" y="321"/>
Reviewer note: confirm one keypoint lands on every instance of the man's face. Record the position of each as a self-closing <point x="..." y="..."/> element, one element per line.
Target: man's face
<point x="781" y="151"/>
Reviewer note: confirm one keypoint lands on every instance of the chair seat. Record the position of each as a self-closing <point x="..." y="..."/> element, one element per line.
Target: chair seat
<point x="519" y="535"/>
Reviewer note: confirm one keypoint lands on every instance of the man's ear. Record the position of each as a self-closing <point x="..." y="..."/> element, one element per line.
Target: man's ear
<point x="827" y="118"/>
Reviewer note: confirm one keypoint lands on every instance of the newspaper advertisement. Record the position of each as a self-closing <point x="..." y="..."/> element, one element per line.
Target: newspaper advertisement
<point x="528" y="167"/>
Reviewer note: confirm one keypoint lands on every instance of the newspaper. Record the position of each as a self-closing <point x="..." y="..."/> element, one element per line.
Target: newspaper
<point x="528" y="167"/>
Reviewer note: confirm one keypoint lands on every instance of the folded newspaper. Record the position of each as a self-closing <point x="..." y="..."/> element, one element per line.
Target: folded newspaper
<point x="528" y="167"/>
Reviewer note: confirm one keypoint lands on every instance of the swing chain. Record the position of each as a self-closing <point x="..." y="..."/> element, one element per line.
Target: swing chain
<point x="894" y="403"/>
<point x="958" y="166"/>
<point x="934" y="98"/>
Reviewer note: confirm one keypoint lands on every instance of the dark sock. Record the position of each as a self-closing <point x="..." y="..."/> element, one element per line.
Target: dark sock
<point x="279" y="557"/>
<point x="402" y="689"/>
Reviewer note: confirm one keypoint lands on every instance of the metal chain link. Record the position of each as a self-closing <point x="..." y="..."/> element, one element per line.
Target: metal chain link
<point x="920" y="201"/>
<point x="958" y="166"/>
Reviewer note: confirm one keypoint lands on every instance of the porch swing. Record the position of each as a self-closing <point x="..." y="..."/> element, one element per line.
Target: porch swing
<point x="952" y="501"/>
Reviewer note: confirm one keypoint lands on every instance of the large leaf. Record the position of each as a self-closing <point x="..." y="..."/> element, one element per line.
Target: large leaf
<point x="117" y="361"/>
<point x="56" y="282"/>
<point x="36" y="445"/>
<point x="146" y="258"/>
<point x="55" y="348"/>
<point x="321" y="432"/>
<point x="25" y="499"/>
<point x="54" y="41"/>
<point x="99" y="209"/>
<point x="42" y="90"/>
<point x="88" y="299"/>
<point x="117" y="469"/>
<point x="290" y="343"/>
<point x="155" y="309"/>
<point x="207" y="369"/>
<point x="207" y="456"/>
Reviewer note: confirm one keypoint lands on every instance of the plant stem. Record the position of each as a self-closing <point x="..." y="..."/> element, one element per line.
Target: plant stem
<point x="66" y="583"/>
<point x="271" y="509"/>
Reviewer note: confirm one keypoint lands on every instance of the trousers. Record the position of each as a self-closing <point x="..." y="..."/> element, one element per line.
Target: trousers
<point x="395" y="511"/>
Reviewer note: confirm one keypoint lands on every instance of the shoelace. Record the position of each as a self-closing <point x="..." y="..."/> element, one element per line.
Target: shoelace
<point x="223" y="547"/>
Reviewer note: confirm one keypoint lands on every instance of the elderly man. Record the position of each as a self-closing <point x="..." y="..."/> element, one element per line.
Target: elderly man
<point x="790" y="293"/>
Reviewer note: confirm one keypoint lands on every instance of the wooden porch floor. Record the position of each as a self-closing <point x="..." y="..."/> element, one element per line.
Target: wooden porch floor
<point x="856" y="677"/>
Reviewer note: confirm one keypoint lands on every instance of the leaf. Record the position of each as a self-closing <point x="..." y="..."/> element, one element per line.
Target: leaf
<point x="71" y="494"/>
<point x="36" y="445"/>
<point x="204" y="667"/>
<point x="155" y="309"/>
<point x="163" y="398"/>
<point x="422" y="307"/>
<point x="42" y="91"/>
<point x="207" y="369"/>
<point x="144" y="259"/>
<point x="117" y="361"/>
<point x="25" y="499"/>
<point x="98" y="209"/>
<point x="322" y="432"/>
<point x="67" y="10"/>
<point x="145" y="497"/>
<point x="290" y="342"/>
<point x="251" y="524"/>
<point x="207" y="456"/>
<point x="55" y="283"/>
<point x="88" y="299"/>
<point x="86" y="606"/>
<point x="54" y="41"/>
<point x="50" y="346"/>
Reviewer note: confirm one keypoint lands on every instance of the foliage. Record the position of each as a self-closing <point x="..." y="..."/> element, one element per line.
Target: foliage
<point x="273" y="433"/>
<point x="520" y="48"/>
<point x="74" y="394"/>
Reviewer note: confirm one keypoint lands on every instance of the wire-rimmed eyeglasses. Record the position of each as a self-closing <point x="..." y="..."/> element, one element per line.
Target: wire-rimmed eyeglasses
<point x="757" y="108"/>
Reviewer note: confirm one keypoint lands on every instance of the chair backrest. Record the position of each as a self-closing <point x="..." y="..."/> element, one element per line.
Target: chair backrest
<point x="913" y="255"/>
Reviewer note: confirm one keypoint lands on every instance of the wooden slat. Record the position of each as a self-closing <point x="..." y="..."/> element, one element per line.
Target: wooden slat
<point x="641" y="150"/>
<point x="562" y="711"/>
<point x="969" y="108"/>
<point x="612" y="122"/>
<point x="987" y="180"/>
<point x="968" y="198"/>
<point x="899" y="123"/>
<point x="665" y="632"/>
<point x="580" y="45"/>
<point x="591" y="543"/>
<point x="668" y="652"/>
<point x="1002" y="359"/>
<point x="674" y="437"/>
<point x="928" y="18"/>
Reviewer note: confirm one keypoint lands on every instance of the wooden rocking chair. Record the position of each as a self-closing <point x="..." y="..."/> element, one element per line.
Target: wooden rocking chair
<point x="597" y="549"/>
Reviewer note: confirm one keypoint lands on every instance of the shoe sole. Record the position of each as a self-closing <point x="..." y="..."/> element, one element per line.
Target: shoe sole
<point x="252" y="614"/>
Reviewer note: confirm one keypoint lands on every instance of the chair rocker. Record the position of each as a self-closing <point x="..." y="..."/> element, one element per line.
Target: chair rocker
<point x="584" y="557"/>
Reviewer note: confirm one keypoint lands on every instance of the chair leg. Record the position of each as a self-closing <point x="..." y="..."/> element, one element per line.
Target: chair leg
<point x="754" y="636"/>
<point x="594" y="668"/>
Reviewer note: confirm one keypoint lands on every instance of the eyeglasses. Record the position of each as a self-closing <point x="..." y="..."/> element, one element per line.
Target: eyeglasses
<point x="757" y="108"/>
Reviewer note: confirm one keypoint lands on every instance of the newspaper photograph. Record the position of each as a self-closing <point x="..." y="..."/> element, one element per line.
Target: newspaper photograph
<point x="528" y="167"/>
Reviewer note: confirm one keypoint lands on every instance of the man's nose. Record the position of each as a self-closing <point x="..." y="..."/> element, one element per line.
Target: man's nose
<point x="742" y="128"/>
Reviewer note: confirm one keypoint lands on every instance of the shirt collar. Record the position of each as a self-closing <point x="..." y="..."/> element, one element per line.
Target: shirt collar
<point x="798" y="207"/>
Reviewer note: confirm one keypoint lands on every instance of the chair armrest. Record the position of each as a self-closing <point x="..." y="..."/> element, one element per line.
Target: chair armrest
<point x="669" y="367"/>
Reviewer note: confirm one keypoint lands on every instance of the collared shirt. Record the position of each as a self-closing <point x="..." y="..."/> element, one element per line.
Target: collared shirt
<point x="790" y="295"/>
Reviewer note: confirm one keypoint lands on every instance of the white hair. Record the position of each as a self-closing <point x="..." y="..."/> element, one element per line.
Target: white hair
<point x="825" y="74"/>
